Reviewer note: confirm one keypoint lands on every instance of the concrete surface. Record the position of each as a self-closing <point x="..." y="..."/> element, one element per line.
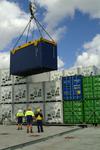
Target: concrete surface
<point x="10" y="136"/>
<point x="53" y="138"/>
<point x="85" y="139"/>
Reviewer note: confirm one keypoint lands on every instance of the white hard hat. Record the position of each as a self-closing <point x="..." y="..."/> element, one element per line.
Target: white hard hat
<point x="20" y="111"/>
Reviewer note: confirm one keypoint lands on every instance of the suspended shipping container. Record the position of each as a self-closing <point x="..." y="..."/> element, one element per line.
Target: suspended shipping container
<point x="72" y="87"/>
<point x="33" y="58"/>
<point x="53" y="112"/>
<point x="35" y="93"/>
<point x="53" y="90"/>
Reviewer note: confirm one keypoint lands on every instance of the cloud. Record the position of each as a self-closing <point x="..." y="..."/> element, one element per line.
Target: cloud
<point x="4" y="60"/>
<point x="91" y="54"/>
<point x="60" y="63"/>
<point x="12" y="22"/>
<point x="57" y="10"/>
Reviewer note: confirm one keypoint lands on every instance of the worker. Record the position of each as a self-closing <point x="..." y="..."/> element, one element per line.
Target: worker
<point x="39" y="119"/>
<point x="29" y="114"/>
<point x="19" y="117"/>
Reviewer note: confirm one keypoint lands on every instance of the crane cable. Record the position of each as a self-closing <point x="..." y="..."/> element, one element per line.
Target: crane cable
<point x="38" y="24"/>
<point x="22" y="33"/>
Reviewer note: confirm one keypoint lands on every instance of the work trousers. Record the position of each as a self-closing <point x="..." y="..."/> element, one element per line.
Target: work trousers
<point x="40" y="125"/>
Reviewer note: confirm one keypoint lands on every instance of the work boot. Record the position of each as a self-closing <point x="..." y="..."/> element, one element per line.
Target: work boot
<point x="31" y="131"/>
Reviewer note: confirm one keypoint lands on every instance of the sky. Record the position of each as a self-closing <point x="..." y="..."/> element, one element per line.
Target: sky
<point x="73" y="24"/>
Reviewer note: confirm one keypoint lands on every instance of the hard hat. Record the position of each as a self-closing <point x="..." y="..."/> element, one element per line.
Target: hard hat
<point x="38" y="109"/>
<point x="20" y="111"/>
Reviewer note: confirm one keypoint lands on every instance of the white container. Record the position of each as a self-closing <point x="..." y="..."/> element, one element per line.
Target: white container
<point x="35" y="106"/>
<point x="5" y="111"/>
<point x="6" y="94"/>
<point x="35" y="92"/>
<point x="87" y="71"/>
<point x="6" y="78"/>
<point x="53" y="112"/>
<point x="19" y="79"/>
<point x="39" y="78"/>
<point x="53" y="90"/>
<point x="20" y="93"/>
<point x="70" y="72"/>
<point x="56" y="75"/>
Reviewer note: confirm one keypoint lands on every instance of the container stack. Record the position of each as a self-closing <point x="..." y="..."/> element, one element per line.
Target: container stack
<point x="36" y="96"/>
<point x="6" y="82"/>
<point x="72" y="99"/>
<point x="91" y="95"/>
<point x="53" y="102"/>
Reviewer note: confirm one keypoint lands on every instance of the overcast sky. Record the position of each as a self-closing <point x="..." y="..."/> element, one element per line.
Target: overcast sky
<point x="74" y="24"/>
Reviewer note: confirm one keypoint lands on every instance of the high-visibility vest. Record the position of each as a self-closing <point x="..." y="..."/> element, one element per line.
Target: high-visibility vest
<point x="20" y="114"/>
<point x="39" y="116"/>
<point x="29" y="113"/>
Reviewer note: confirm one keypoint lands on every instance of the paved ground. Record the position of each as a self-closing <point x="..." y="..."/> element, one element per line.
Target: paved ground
<point x="85" y="139"/>
<point x="9" y="136"/>
<point x="54" y="138"/>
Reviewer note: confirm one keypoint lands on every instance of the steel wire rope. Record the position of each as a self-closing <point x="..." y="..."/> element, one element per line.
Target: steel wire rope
<point x="22" y="34"/>
<point x="43" y="28"/>
<point x="28" y="32"/>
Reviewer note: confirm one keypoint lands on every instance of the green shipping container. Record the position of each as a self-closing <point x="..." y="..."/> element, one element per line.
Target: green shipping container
<point x="92" y="111"/>
<point x="73" y="112"/>
<point x="88" y="87"/>
<point x="96" y="87"/>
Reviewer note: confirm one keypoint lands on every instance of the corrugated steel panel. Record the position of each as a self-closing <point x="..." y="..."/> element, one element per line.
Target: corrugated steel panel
<point x="42" y="77"/>
<point x="34" y="58"/>
<point x="72" y="87"/>
<point x="73" y="112"/>
<point x="56" y="75"/>
<point x="6" y="94"/>
<point x="5" y="77"/>
<point x="35" y="92"/>
<point x="53" y="90"/>
<point x="53" y="112"/>
<point x="96" y="86"/>
<point x="19" y="79"/>
<point x="89" y="111"/>
<point x="92" y="111"/>
<point x="88" y="87"/>
<point x="20" y="93"/>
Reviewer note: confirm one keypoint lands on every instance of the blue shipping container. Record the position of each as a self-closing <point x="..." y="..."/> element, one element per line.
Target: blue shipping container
<point x="72" y="87"/>
<point x="33" y="58"/>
